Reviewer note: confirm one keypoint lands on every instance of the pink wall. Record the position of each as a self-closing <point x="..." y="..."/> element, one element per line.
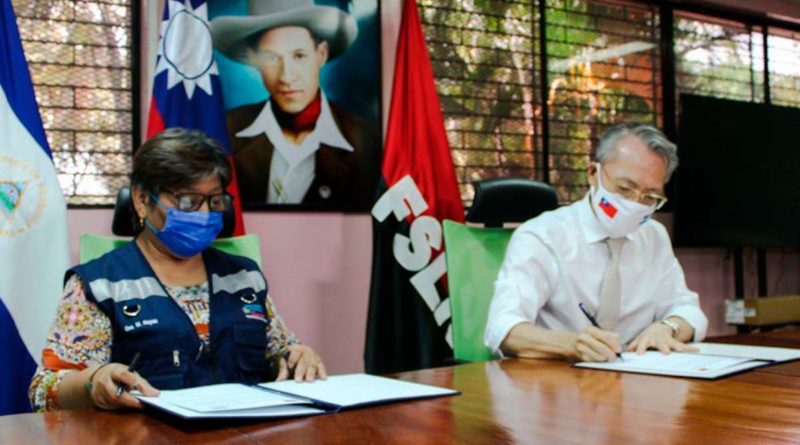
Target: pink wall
<point x="318" y="268"/>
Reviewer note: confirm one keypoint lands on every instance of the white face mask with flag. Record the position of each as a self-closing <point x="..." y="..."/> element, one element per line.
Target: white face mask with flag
<point x="619" y="216"/>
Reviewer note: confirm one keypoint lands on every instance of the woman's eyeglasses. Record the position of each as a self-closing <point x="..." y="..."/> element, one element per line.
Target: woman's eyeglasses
<point x="189" y="202"/>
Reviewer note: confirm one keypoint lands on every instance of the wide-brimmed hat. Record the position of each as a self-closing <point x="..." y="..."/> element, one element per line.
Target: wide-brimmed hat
<point x="332" y="24"/>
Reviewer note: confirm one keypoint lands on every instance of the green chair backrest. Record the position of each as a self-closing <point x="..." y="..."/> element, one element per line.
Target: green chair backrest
<point x="474" y="257"/>
<point x="94" y="246"/>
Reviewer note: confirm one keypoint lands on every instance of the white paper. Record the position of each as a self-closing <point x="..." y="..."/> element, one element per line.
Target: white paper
<point x="358" y="389"/>
<point x="261" y="412"/>
<point x="293" y="399"/>
<point x="753" y="352"/>
<point x="225" y="397"/>
<point x="677" y="364"/>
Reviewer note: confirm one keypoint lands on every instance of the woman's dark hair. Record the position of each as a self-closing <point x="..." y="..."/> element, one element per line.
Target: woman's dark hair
<point x="177" y="158"/>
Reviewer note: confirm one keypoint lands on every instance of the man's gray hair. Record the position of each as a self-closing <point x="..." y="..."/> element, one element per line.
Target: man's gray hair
<point x="651" y="136"/>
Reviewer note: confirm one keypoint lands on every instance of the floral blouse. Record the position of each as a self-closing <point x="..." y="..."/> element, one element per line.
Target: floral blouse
<point x="82" y="335"/>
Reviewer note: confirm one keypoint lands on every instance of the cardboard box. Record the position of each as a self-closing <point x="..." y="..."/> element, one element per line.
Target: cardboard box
<point x="763" y="311"/>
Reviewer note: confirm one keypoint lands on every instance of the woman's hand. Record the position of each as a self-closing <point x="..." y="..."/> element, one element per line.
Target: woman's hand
<point x="106" y="381"/>
<point x="303" y="364"/>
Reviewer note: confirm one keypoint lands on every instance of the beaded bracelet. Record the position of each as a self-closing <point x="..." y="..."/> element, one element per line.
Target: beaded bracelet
<point x="91" y="377"/>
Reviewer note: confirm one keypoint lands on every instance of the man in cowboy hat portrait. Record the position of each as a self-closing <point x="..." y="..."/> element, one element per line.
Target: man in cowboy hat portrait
<point x="296" y="147"/>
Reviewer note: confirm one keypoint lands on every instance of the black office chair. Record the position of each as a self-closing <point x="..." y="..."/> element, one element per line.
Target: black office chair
<point x="510" y="200"/>
<point x="125" y="217"/>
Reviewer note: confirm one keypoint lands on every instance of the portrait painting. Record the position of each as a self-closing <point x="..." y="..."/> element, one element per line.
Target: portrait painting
<point x="301" y="87"/>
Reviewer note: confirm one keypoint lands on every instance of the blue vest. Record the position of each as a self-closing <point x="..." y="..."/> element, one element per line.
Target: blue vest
<point x="145" y="319"/>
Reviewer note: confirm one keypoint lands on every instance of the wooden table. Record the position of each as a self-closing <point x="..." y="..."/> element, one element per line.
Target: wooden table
<point x="509" y="401"/>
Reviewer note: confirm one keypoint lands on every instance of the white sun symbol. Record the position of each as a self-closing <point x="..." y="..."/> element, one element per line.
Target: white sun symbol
<point x="185" y="50"/>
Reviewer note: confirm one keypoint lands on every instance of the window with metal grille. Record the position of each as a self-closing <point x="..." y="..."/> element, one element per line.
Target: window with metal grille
<point x="603" y="67"/>
<point x="486" y="64"/>
<point x="80" y="58"/>
<point x="719" y="58"/>
<point x="784" y="66"/>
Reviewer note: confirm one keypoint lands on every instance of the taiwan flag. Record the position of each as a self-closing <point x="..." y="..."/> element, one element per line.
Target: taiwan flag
<point x="186" y="87"/>
<point x="607" y="208"/>
<point x="34" y="248"/>
<point x="409" y="311"/>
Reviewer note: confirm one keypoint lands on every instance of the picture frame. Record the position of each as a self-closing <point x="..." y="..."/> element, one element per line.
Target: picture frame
<point x="291" y="175"/>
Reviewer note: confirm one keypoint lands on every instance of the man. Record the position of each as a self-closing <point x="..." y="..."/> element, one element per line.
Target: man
<point x="606" y="253"/>
<point x="296" y="147"/>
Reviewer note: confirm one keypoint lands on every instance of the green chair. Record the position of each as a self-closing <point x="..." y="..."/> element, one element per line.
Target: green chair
<point x="94" y="246"/>
<point x="474" y="256"/>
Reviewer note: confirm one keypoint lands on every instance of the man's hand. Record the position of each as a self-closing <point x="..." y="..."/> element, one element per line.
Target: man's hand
<point x="596" y="345"/>
<point x="658" y="336"/>
<point x="303" y="363"/>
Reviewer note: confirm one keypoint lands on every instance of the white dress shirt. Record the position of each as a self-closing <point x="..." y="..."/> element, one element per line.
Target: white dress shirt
<point x="558" y="260"/>
<point x="292" y="167"/>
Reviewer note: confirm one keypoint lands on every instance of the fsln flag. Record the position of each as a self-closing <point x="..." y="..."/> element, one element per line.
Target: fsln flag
<point x="34" y="249"/>
<point x="409" y="312"/>
<point x="187" y="90"/>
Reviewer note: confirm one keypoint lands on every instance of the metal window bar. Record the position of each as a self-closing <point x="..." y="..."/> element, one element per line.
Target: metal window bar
<point x="81" y="57"/>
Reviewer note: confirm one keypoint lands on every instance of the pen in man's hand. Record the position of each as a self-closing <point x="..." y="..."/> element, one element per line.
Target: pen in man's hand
<point x="131" y="368"/>
<point x="593" y="321"/>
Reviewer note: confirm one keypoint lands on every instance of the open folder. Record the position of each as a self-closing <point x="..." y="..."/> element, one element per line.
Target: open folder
<point x="714" y="360"/>
<point x="288" y="398"/>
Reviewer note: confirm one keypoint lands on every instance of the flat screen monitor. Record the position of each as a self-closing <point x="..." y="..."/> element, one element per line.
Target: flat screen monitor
<point x="738" y="182"/>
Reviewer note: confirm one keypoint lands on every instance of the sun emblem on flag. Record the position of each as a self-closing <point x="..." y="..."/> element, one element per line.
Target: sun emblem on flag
<point x="10" y="195"/>
<point x="22" y="197"/>
<point x="185" y="50"/>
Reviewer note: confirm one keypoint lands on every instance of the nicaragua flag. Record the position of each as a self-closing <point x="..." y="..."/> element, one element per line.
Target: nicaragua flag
<point x="34" y="250"/>
<point x="187" y="90"/>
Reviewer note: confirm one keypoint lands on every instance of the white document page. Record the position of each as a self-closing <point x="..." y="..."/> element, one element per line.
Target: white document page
<point x="676" y="364"/>
<point x="753" y="352"/>
<point x="261" y="412"/>
<point x="225" y="397"/>
<point x="358" y="389"/>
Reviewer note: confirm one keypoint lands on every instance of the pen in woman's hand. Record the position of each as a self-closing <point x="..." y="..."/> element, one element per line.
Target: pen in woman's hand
<point x="593" y="321"/>
<point x="131" y="368"/>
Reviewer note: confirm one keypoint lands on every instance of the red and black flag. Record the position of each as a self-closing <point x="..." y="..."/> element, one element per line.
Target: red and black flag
<point x="409" y="312"/>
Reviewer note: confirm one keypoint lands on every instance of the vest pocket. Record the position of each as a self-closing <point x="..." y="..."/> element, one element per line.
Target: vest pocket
<point x="165" y="369"/>
<point x="251" y="349"/>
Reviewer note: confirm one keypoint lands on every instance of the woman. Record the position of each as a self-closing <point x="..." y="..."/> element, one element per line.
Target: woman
<point x="190" y="314"/>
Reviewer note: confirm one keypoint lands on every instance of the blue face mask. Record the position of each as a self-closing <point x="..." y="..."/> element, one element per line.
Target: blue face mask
<point x="187" y="233"/>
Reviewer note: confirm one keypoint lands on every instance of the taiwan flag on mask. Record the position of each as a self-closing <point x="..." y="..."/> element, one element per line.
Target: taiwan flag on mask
<point x="186" y="87"/>
<point x="607" y="208"/>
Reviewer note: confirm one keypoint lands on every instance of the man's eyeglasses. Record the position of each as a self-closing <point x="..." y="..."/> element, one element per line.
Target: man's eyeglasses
<point x="631" y="194"/>
<point x="189" y="202"/>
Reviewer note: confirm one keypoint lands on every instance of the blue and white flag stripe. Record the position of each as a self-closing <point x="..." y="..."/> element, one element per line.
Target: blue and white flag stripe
<point x="34" y="249"/>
